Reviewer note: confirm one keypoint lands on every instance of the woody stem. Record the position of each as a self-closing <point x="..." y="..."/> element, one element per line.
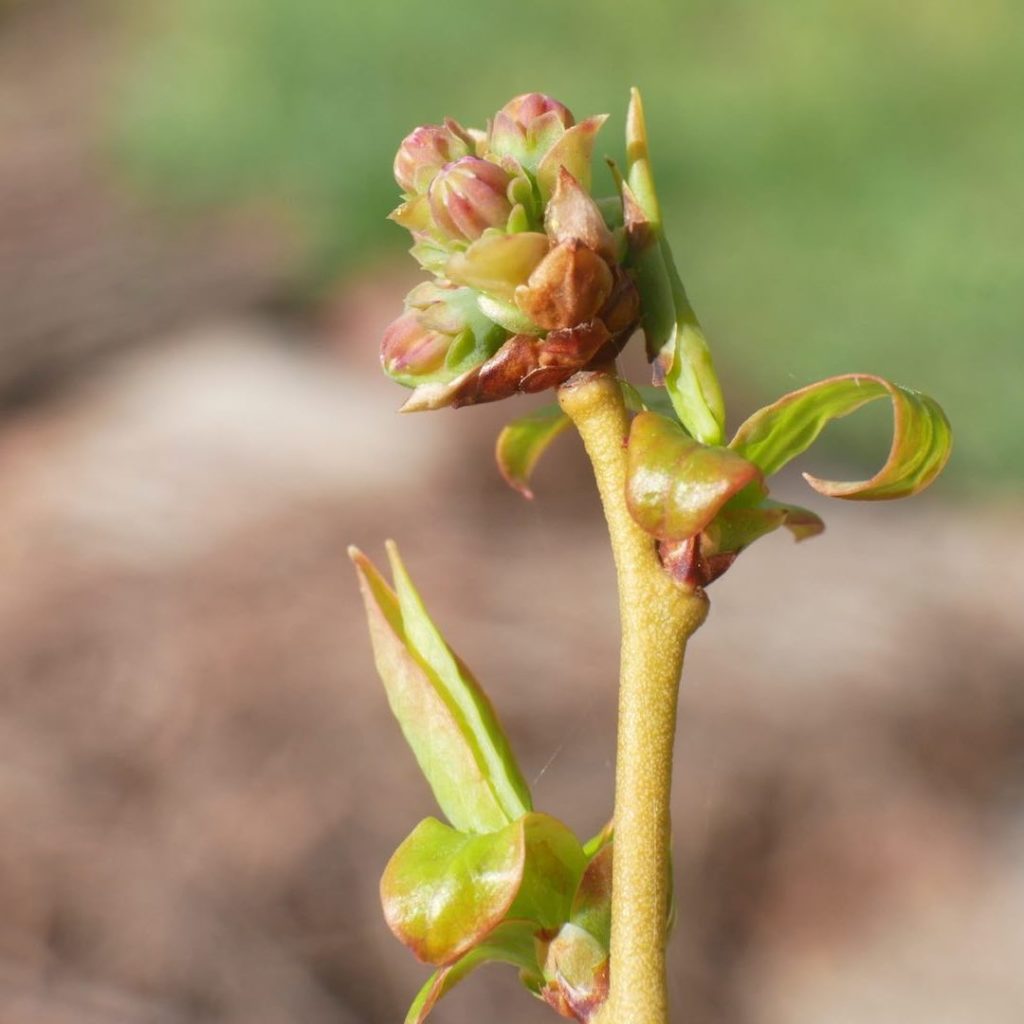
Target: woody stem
<point x="657" y="617"/>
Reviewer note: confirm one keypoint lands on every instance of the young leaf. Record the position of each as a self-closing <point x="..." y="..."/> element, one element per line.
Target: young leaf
<point x="444" y="892"/>
<point x="576" y="971"/>
<point x="734" y="529"/>
<point x="647" y="399"/>
<point x="444" y="715"/>
<point x="522" y="442"/>
<point x="921" y="441"/>
<point x="511" y="942"/>
<point x="675" y="340"/>
<point x="675" y="485"/>
<point x="592" y="904"/>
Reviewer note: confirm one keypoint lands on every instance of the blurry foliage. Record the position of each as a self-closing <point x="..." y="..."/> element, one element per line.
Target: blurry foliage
<point x="842" y="179"/>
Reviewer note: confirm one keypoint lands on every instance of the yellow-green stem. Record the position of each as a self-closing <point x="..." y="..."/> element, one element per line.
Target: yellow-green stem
<point x="657" y="616"/>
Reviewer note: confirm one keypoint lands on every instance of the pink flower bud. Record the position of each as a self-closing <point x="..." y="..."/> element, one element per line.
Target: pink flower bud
<point x="424" y="151"/>
<point x="409" y="349"/>
<point x="469" y="196"/>
<point x="525" y="109"/>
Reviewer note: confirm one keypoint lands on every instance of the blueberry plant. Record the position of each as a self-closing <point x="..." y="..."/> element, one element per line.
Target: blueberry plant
<point x="536" y="284"/>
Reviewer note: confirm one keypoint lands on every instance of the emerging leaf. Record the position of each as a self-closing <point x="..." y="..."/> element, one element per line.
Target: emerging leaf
<point x="576" y="970"/>
<point x="674" y="485"/>
<point x="522" y="442"/>
<point x="444" y="892"/>
<point x="511" y="942"/>
<point x="592" y="904"/>
<point x="921" y="441"/>
<point x="675" y="340"/>
<point x="647" y="399"/>
<point x="443" y="713"/>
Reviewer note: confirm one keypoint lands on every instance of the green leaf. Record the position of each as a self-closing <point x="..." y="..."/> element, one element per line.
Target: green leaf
<point x="733" y="529"/>
<point x="444" y="891"/>
<point x="921" y="441"/>
<point x="675" y="340"/>
<point x="444" y="715"/>
<point x="522" y="442"/>
<point x="592" y="904"/>
<point x="646" y="399"/>
<point x="674" y="485"/>
<point x="601" y="839"/>
<point x="511" y="942"/>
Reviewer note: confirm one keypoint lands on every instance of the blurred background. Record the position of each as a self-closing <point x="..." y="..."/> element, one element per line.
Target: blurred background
<point x="199" y="778"/>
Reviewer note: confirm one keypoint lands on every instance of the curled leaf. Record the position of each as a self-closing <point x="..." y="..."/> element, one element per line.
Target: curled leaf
<point x="444" y="715"/>
<point x="675" y="486"/>
<point x="444" y="892"/>
<point x="921" y="440"/>
<point x="522" y="442"/>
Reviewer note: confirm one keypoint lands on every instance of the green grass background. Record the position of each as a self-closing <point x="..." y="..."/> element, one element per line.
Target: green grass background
<point x="843" y="181"/>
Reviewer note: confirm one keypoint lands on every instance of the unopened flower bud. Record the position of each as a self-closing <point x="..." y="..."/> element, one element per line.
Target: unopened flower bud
<point x="411" y="350"/>
<point x="424" y="151"/>
<point x="525" y="109"/>
<point x="527" y="127"/>
<point x="469" y="196"/>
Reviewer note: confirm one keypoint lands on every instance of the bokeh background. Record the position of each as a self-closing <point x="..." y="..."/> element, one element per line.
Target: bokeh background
<point x="199" y="778"/>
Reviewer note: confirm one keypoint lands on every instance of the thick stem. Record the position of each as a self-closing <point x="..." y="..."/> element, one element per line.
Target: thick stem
<point x="657" y="616"/>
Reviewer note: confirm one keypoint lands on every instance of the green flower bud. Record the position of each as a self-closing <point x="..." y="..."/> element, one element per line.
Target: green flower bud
<point x="425" y="150"/>
<point x="469" y="196"/>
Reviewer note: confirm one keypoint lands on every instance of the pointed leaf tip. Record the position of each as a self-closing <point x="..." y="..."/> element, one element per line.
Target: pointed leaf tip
<point x="444" y="715"/>
<point x="674" y="338"/>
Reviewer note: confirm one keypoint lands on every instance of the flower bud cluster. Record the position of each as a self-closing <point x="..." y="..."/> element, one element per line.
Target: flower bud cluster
<point x="528" y="284"/>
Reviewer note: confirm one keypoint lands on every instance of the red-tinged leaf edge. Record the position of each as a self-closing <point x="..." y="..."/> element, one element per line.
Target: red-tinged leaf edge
<point x="444" y="892"/>
<point x="675" y="486"/>
<point x="921" y="442"/>
<point x="522" y="442"/>
<point x="444" y="714"/>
